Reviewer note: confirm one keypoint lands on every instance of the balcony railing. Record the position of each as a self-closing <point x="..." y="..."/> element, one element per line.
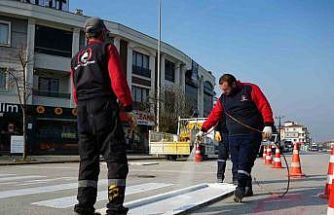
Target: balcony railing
<point x="141" y="71"/>
<point x="51" y="94"/>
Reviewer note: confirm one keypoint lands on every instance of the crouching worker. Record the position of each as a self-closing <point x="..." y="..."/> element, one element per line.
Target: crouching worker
<point x="249" y="118"/>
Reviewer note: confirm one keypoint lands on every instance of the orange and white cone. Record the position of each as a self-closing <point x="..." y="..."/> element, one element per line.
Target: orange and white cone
<point x="330" y="209"/>
<point x="296" y="169"/>
<point x="264" y="152"/>
<point x="198" y="155"/>
<point x="330" y="176"/>
<point x="268" y="156"/>
<point x="277" y="159"/>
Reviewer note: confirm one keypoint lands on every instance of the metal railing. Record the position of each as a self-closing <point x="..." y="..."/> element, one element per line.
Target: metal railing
<point x="141" y="71"/>
<point x="51" y="94"/>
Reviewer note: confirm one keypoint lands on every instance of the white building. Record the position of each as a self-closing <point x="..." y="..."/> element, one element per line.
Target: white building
<point x="294" y="132"/>
<point x="51" y="35"/>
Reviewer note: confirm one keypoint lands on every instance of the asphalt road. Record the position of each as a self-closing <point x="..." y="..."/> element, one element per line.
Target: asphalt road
<point x="51" y="188"/>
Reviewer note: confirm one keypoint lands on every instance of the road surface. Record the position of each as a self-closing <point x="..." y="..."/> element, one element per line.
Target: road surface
<point x="51" y="188"/>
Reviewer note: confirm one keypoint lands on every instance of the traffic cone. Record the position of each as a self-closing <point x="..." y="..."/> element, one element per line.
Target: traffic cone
<point x="264" y="152"/>
<point x="296" y="169"/>
<point x="198" y="155"/>
<point x="268" y="160"/>
<point x="277" y="159"/>
<point x="330" y="209"/>
<point x="330" y="176"/>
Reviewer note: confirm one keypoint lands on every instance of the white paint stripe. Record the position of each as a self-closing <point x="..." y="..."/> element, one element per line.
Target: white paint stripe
<point x="21" y="177"/>
<point x="6" y="175"/>
<point x="331" y="160"/>
<point x="103" y="195"/>
<point x="295" y="152"/>
<point x="43" y="181"/>
<point x="294" y="164"/>
<point x="177" y="201"/>
<point x="32" y="183"/>
<point x="45" y="189"/>
<point x="330" y="179"/>
<point x="330" y="211"/>
<point x="8" y="183"/>
<point x="143" y="163"/>
<point x="53" y="179"/>
<point x="277" y="159"/>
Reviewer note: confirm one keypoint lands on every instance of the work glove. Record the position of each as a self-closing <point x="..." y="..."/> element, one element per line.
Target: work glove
<point x="199" y="135"/>
<point x="132" y="120"/>
<point x="267" y="132"/>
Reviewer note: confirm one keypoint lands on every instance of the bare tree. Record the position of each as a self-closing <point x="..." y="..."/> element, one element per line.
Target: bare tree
<point x="18" y="81"/>
<point x="175" y="105"/>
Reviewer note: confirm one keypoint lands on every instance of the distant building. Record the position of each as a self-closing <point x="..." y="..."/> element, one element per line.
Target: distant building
<point x="294" y="132"/>
<point x="50" y="35"/>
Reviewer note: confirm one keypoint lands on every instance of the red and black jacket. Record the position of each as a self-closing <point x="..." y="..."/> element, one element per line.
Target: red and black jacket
<point x="96" y="72"/>
<point x="247" y="104"/>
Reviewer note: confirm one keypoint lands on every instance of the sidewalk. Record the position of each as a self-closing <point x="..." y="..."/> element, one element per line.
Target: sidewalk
<point x="41" y="159"/>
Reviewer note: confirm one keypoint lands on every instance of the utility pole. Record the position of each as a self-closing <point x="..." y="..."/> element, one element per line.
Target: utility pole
<point x="159" y="69"/>
<point x="279" y="117"/>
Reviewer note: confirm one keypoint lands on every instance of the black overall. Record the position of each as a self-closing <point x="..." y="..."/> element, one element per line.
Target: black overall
<point x="100" y="131"/>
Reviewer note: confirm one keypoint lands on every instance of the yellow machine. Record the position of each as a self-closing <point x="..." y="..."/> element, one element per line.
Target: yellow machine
<point x="182" y="143"/>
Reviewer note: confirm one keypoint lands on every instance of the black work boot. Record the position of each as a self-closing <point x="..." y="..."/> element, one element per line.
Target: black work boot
<point x="120" y="211"/>
<point x="235" y="180"/>
<point x="239" y="194"/>
<point x="249" y="188"/>
<point x="220" y="180"/>
<point x="116" y="195"/>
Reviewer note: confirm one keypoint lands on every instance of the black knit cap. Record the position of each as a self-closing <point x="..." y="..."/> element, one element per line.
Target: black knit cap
<point x="94" y="26"/>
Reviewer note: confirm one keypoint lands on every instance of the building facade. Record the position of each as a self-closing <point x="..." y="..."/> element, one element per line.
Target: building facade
<point x="294" y="132"/>
<point x="47" y="34"/>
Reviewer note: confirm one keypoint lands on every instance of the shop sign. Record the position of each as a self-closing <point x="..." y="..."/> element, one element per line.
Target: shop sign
<point x="16" y="144"/>
<point x="9" y="108"/>
<point x="145" y="118"/>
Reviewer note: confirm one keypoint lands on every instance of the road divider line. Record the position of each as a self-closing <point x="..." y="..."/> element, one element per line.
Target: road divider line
<point x="70" y="201"/>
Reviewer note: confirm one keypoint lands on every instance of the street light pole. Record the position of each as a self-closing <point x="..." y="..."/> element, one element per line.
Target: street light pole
<point x="159" y="70"/>
<point x="280" y="117"/>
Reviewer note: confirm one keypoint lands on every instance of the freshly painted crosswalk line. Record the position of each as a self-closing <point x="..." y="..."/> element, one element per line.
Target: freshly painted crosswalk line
<point x="178" y="201"/>
<point x="6" y="175"/>
<point x="21" y="177"/>
<point x="43" y="181"/>
<point x="103" y="195"/>
<point x="43" y="189"/>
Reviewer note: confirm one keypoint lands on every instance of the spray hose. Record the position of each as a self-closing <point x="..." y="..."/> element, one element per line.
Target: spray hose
<point x="285" y="160"/>
<point x="280" y="195"/>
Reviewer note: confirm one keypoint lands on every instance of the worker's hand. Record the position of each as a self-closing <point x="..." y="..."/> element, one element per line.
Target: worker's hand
<point x="199" y="135"/>
<point x="218" y="136"/>
<point x="267" y="132"/>
<point x="132" y="120"/>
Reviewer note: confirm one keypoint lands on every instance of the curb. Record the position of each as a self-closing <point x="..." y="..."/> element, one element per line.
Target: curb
<point x="68" y="161"/>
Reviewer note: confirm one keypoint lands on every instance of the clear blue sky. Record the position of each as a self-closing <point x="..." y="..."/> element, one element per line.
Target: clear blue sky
<point x="285" y="46"/>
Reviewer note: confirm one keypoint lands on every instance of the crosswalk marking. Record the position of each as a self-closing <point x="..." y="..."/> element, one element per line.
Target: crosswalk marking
<point x="44" y="189"/>
<point x="177" y="201"/>
<point x="21" y="177"/>
<point x="5" y="175"/>
<point x="43" y="181"/>
<point x="103" y="195"/>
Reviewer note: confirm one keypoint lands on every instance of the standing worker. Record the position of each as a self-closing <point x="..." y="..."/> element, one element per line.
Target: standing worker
<point x="100" y="90"/>
<point x="249" y="118"/>
<point x="223" y="152"/>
